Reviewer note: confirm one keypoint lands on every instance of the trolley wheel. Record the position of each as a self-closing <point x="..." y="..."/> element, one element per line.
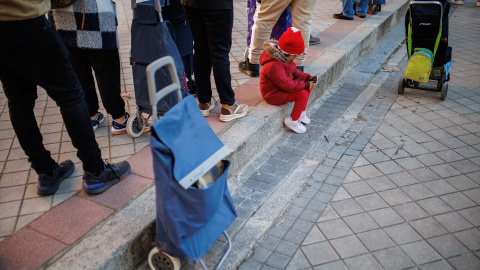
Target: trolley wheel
<point x="379" y="8"/>
<point x="440" y="83"/>
<point x="401" y="86"/>
<point x="444" y="91"/>
<point x="162" y="261"/>
<point x="135" y="126"/>
<point x="375" y="9"/>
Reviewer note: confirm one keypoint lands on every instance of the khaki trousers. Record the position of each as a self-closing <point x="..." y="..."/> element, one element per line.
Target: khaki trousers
<point x="270" y="11"/>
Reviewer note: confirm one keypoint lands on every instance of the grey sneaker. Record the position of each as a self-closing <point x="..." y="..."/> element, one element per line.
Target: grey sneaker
<point x="205" y="108"/>
<point x="233" y="112"/>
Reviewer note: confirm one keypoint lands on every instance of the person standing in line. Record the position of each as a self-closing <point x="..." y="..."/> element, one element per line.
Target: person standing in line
<point x="348" y="12"/>
<point x="283" y="23"/>
<point x="211" y="22"/>
<point x="32" y="54"/>
<point x="92" y="43"/>
<point x="270" y="11"/>
<point x="280" y="80"/>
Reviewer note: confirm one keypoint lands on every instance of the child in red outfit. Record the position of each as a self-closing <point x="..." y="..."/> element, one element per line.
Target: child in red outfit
<point x="282" y="82"/>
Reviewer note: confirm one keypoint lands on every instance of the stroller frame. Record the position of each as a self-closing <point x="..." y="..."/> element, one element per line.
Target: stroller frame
<point x="155" y="256"/>
<point x="439" y="74"/>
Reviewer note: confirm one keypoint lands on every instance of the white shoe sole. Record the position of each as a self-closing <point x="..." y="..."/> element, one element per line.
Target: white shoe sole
<point x="228" y="118"/>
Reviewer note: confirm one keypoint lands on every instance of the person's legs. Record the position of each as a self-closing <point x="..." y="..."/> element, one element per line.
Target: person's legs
<point x="270" y="11"/>
<point x="106" y="64"/>
<point x="33" y="49"/>
<point x="302" y="11"/>
<point x="362" y="7"/>
<point x="218" y="25"/>
<point x="202" y="67"/>
<point x="83" y="69"/>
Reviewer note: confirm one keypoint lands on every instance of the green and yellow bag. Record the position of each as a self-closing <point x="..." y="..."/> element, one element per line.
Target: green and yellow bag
<point x="419" y="65"/>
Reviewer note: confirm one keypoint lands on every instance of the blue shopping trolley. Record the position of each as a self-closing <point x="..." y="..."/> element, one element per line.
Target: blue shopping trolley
<point x="190" y="217"/>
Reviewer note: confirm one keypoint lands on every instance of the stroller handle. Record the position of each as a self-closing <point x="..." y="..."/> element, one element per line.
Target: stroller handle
<point x="155" y="95"/>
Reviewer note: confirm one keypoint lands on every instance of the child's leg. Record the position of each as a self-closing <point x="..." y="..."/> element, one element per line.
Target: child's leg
<point x="301" y="100"/>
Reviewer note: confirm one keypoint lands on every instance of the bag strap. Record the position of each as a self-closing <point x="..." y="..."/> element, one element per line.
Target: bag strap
<point x="409" y="40"/>
<point x="83" y="18"/>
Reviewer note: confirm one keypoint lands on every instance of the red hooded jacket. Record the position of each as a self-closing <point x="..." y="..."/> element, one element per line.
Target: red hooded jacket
<point x="278" y="73"/>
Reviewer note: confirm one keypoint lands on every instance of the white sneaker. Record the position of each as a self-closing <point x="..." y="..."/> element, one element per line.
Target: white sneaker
<point x="305" y="117"/>
<point x="296" y="126"/>
<point x="206" y="107"/>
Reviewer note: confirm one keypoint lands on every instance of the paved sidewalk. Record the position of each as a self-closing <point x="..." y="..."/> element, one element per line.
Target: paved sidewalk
<point x="46" y="228"/>
<point x="400" y="189"/>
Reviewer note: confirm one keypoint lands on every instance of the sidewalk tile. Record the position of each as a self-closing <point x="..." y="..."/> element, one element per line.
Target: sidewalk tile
<point x="418" y="191"/>
<point x="347" y="207"/>
<point x="465" y="261"/>
<point x="447" y="245"/>
<point x="376" y="240"/>
<point x="410" y="211"/>
<point x="366" y="261"/>
<point x="380" y="183"/>
<point x="453" y="222"/>
<point x="278" y="260"/>
<point x="393" y="258"/>
<point x="402" y="233"/>
<point x="298" y="261"/>
<point x="469" y="238"/>
<point x="394" y="196"/>
<point x="428" y="227"/>
<point x="458" y="201"/>
<point x="371" y="202"/>
<point x="320" y="253"/>
<point x="421" y="252"/>
<point x="361" y="223"/>
<point x="334" y="228"/>
<point x="440" y="187"/>
<point x="472" y="215"/>
<point x="358" y="188"/>
<point x="348" y="246"/>
<point x="67" y="222"/>
<point x="28" y="249"/>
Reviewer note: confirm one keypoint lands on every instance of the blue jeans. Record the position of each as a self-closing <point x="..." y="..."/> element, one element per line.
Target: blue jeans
<point x="31" y="54"/>
<point x="212" y="41"/>
<point x="348" y="11"/>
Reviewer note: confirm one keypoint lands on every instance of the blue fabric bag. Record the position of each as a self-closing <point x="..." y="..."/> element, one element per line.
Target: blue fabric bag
<point x="184" y="147"/>
<point x="151" y="40"/>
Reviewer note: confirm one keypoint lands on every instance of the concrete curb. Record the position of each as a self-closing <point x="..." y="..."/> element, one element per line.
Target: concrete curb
<point x="123" y="241"/>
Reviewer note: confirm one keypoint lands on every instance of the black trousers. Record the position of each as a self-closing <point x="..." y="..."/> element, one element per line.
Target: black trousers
<point x="31" y="54"/>
<point x="106" y="65"/>
<point x="212" y="41"/>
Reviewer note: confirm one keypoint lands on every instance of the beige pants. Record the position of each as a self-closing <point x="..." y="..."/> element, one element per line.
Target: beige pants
<point x="270" y="11"/>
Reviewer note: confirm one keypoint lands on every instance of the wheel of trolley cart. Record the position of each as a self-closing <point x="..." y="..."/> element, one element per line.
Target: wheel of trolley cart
<point x="401" y="86"/>
<point x="444" y="91"/>
<point x="135" y="125"/>
<point x="441" y="82"/>
<point x="162" y="261"/>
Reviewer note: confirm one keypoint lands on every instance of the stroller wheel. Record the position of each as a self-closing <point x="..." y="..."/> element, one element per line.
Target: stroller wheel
<point x="375" y="9"/>
<point x="443" y="94"/>
<point x="440" y="83"/>
<point x="401" y="86"/>
<point x="135" y="126"/>
<point x="379" y="8"/>
<point x="162" y="261"/>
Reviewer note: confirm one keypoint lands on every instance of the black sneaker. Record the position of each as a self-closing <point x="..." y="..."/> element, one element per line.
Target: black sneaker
<point x="252" y="70"/>
<point x="48" y="185"/>
<point x="341" y="16"/>
<point x="111" y="174"/>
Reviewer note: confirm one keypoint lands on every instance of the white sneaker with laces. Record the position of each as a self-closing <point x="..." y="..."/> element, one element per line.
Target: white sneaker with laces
<point x="305" y="117"/>
<point x="296" y="126"/>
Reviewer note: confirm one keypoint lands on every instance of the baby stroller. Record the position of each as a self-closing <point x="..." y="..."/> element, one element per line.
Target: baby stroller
<point x="193" y="203"/>
<point x="426" y="27"/>
<point x="153" y="38"/>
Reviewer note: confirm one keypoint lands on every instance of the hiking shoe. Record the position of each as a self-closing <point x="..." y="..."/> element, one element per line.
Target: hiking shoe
<point x="233" y="112"/>
<point x="120" y="128"/>
<point x="313" y="40"/>
<point x="205" y="108"/>
<point x="111" y="174"/>
<point x="48" y="185"/>
<point x="341" y="16"/>
<point x="252" y="70"/>
<point x="305" y="117"/>
<point x="97" y="121"/>
<point x="296" y="126"/>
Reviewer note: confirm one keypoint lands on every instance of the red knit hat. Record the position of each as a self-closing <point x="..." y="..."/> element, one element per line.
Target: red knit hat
<point x="291" y="42"/>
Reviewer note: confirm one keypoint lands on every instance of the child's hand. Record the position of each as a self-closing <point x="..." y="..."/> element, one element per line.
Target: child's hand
<point x="312" y="85"/>
<point x="313" y="79"/>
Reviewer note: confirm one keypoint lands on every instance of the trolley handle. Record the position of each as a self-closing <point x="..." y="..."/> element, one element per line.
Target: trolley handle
<point x="155" y="95"/>
<point x="158" y="8"/>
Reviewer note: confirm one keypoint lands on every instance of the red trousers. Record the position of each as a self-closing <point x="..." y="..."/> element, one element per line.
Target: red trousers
<point x="300" y="98"/>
